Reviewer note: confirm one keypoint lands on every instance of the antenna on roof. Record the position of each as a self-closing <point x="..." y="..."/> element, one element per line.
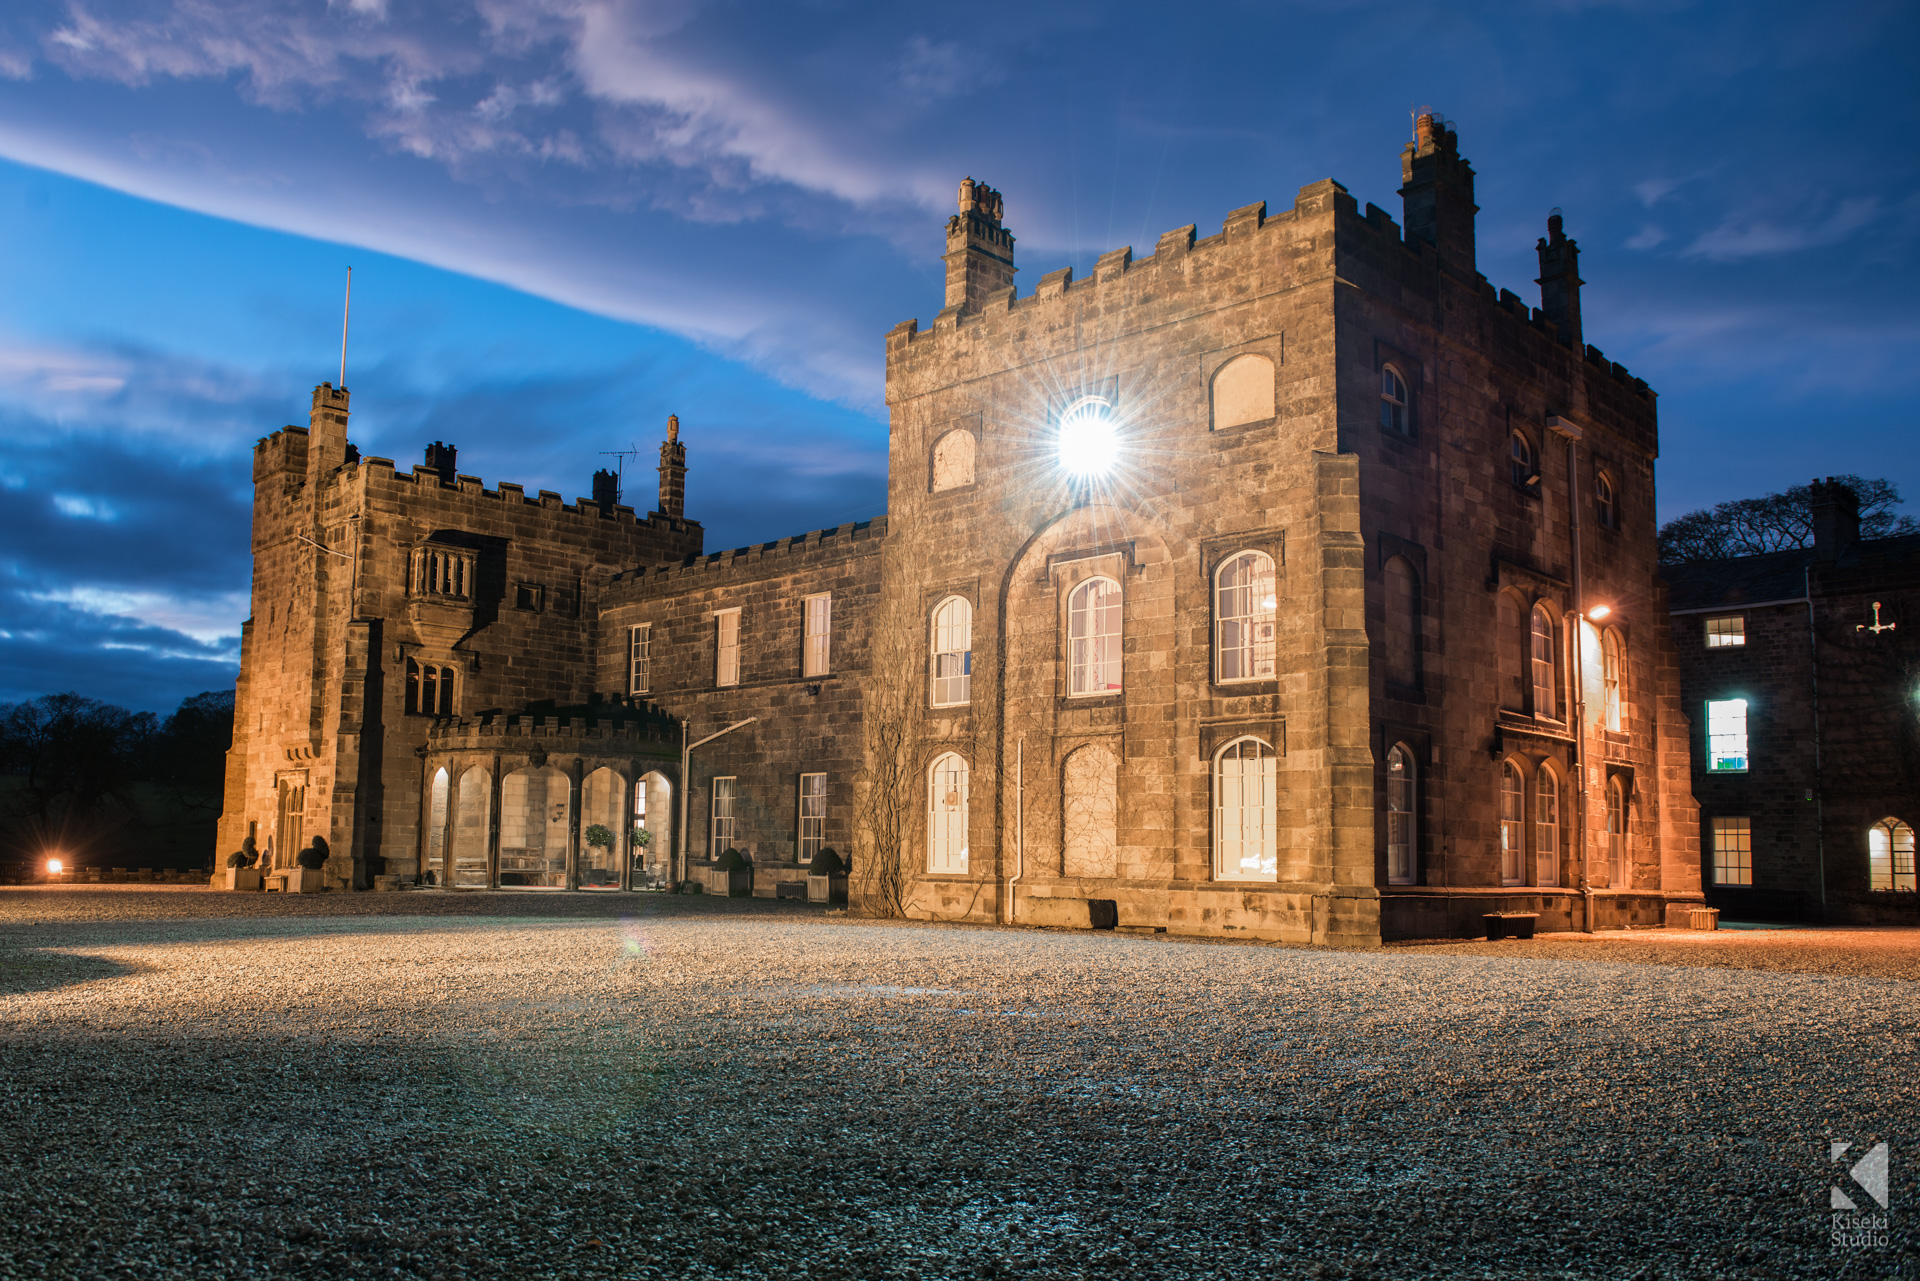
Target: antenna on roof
<point x="345" y="312"/>
<point x="621" y="455"/>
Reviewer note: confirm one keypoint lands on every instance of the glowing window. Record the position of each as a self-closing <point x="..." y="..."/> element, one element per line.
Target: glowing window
<point x="1093" y="638"/>
<point x="1732" y="851"/>
<point x="1890" y="856"/>
<point x="1513" y="838"/>
<point x="1730" y="629"/>
<point x="726" y="647"/>
<point x="1727" y="735"/>
<point x="1612" y="664"/>
<point x="1545" y="669"/>
<point x="1246" y="811"/>
<point x="1245" y="612"/>
<point x="1089" y="443"/>
<point x="1546" y="825"/>
<point x="952" y="652"/>
<point x="1400" y="817"/>
<point x="819" y="635"/>
<point x="640" y="658"/>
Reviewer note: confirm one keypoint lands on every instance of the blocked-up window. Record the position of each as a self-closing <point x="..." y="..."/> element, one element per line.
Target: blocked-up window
<point x="1089" y="812"/>
<point x="1400" y="819"/>
<point x="1727" y="735"/>
<point x="813" y="815"/>
<point x="1246" y="607"/>
<point x="819" y="635"/>
<point x="1402" y="622"/>
<point x="1619" y="868"/>
<point x="952" y="461"/>
<point x="1246" y="811"/>
<point x="952" y="652"/>
<point x="726" y="660"/>
<point x="1243" y="391"/>
<point x="1730" y="629"/>
<point x="947" y="816"/>
<point x="726" y="824"/>
<point x="1732" y="851"/>
<point x="1093" y="638"/>
<point x="1890" y="856"/>
<point x="640" y="658"/>
<point x="1511" y="633"/>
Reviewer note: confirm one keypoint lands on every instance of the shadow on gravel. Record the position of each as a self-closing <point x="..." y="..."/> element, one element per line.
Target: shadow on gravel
<point x="36" y="971"/>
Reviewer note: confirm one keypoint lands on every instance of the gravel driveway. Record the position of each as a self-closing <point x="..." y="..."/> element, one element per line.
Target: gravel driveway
<point x="431" y="1084"/>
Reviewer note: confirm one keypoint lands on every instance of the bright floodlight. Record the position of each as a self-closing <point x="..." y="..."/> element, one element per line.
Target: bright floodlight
<point x="1599" y="611"/>
<point x="1089" y="445"/>
<point x="53" y="866"/>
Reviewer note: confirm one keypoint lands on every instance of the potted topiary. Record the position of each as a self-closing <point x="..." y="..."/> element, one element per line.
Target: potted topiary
<point x="599" y="836"/>
<point x="307" y="877"/>
<point x="642" y="845"/>
<point x="732" y="874"/>
<point x="242" y="874"/>
<point x="827" y="877"/>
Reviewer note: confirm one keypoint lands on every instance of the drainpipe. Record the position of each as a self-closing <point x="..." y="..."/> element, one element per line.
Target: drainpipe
<point x="1579" y="618"/>
<point x="1019" y="825"/>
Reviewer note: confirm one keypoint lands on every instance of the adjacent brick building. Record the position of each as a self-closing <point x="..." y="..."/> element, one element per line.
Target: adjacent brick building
<point x="1238" y="589"/>
<point x="1801" y="671"/>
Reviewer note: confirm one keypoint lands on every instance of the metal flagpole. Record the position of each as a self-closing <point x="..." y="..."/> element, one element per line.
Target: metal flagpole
<point x="345" y="312"/>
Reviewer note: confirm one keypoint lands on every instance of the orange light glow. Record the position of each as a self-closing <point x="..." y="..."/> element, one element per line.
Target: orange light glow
<point x="54" y="867"/>
<point x="1599" y="611"/>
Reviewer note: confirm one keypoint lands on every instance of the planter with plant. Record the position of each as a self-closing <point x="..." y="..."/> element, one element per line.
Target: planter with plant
<point x="598" y="836"/>
<point x="827" y="877"/>
<point x="307" y="877"/>
<point x="732" y="874"/>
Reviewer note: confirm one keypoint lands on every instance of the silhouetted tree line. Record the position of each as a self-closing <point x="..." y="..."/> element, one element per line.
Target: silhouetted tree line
<point x="1776" y="523"/>
<point x="99" y="784"/>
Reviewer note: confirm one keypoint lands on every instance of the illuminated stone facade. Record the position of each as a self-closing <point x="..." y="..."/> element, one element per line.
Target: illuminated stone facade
<point x="1297" y="665"/>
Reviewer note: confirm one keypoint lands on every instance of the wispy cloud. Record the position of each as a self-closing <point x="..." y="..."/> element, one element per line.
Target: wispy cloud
<point x="1740" y="238"/>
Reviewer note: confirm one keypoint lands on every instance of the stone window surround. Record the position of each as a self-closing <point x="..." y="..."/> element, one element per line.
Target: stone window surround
<point x="1214" y="554"/>
<point x="1274" y="347"/>
<point x="1529" y="764"/>
<point x="1412" y="373"/>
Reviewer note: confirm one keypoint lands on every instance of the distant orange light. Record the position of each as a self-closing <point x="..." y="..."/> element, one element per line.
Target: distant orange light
<point x="1599" y="611"/>
<point x="53" y="867"/>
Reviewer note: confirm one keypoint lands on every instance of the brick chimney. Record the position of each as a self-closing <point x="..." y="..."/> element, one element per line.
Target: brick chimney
<point x="979" y="250"/>
<point x="1560" y="280"/>
<point x="673" y="471"/>
<point x="1437" y="188"/>
<point x="1836" y="518"/>
<point x="326" y="432"/>
<point x="441" y="457"/>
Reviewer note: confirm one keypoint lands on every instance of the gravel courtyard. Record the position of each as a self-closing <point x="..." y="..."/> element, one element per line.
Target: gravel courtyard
<point x="525" y="1084"/>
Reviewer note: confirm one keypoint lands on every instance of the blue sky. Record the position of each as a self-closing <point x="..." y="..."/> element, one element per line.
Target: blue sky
<point x="569" y="218"/>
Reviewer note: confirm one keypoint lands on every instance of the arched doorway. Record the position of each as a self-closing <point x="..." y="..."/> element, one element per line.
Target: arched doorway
<point x="436" y="869"/>
<point x="473" y="814"/>
<point x="653" y="815"/>
<point x="535" y="811"/>
<point x="602" y="798"/>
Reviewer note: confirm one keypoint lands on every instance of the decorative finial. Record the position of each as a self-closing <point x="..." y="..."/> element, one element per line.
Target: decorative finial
<point x="673" y="428"/>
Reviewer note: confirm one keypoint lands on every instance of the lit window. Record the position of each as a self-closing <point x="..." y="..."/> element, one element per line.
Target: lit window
<point x="819" y="635"/>
<point x="813" y="815"/>
<point x="1620" y="872"/>
<point x="1546" y="825"/>
<point x="1245" y="609"/>
<point x="1246" y="811"/>
<point x="1088" y="442"/>
<point x="947" y="816"/>
<point x="1732" y="851"/>
<point x="1093" y="637"/>
<point x="1890" y="856"/>
<point x="640" y="658"/>
<point x="1519" y="459"/>
<point x="1545" y="675"/>
<point x="1605" y="506"/>
<point x="726" y="662"/>
<point x="1727" y="735"/>
<point x="725" y="824"/>
<point x="952" y="652"/>
<point x="429" y="689"/>
<point x="1612" y="661"/>
<point x="1400" y="819"/>
<point x="1731" y="629"/>
<point x="1513" y="840"/>
<point x="1393" y="401"/>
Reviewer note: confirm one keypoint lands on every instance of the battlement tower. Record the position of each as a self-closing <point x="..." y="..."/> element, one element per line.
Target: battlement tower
<point x="979" y="250"/>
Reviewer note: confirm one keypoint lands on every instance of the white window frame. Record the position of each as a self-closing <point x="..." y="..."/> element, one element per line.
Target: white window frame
<point x="1612" y="669"/>
<point x="1233" y="834"/>
<point x="1732" y="837"/>
<point x="640" y="658"/>
<point x="812" y="817"/>
<point x="1890" y="861"/>
<point x="726" y="647"/>
<point x="1396" y="402"/>
<point x="1094" y="655"/>
<point x="1543" y="662"/>
<point x="1546" y="826"/>
<point x="1402" y="814"/>
<point x="817" y="644"/>
<point x="1606" y="501"/>
<point x="724" y="828"/>
<point x="948" y="802"/>
<point x="1241" y="606"/>
<point x="1619" y="871"/>
<point x="1727" y="736"/>
<point x="1513" y="824"/>
<point x="952" y="669"/>
<point x="1725" y="631"/>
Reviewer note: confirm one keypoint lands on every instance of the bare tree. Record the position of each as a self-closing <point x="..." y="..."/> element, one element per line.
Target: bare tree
<point x="1776" y="522"/>
<point x="894" y="717"/>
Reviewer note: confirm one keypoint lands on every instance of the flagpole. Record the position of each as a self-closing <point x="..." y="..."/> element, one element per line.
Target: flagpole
<point x="345" y="312"/>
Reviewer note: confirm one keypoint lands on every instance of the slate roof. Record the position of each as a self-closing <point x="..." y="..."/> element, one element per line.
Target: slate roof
<point x="1749" y="580"/>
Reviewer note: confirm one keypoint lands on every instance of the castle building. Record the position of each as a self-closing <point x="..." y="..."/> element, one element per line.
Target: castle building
<point x="1291" y="582"/>
<point x="1800" y="670"/>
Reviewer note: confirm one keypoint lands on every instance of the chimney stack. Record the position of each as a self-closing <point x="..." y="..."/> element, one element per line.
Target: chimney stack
<point x="440" y="457"/>
<point x="606" y="490"/>
<point x="979" y="250"/>
<point x="1836" y="519"/>
<point x="673" y="471"/>
<point x="1560" y="280"/>
<point x="326" y="433"/>
<point x="1437" y="188"/>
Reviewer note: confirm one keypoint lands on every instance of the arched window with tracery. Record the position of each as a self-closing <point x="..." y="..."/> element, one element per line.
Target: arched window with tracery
<point x="952" y="652"/>
<point x="947" y="816"/>
<point x="1513" y="825"/>
<point x="1400" y="815"/>
<point x="1396" y="406"/>
<point x="1546" y="825"/>
<point x="1246" y="811"/>
<point x="1619" y="868"/>
<point x="1246" y="610"/>
<point x="1544" y="656"/>
<point x="1093" y="638"/>
<point x="1612" y="675"/>
<point x="1890" y="857"/>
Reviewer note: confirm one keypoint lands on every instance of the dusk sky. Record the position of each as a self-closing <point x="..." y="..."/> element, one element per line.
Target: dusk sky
<point x="568" y="219"/>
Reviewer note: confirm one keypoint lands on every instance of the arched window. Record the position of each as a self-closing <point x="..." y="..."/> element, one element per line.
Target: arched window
<point x="429" y="689"/>
<point x="1400" y="817"/>
<point x="1545" y="668"/>
<point x="473" y="814"/>
<point x="436" y="868"/>
<point x="1089" y="809"/>
<point x="536" y="811"/>
<point x="952" y="461"/>
<point x="1606" y="507"/>
<point x="1246" y="811"/>
<point x="1520" y="468"/>
<point x="1890" y="856"/>
<point x="947" y="816"/>
<point x="1513" y="819"/>
<point x="1243" y="391"/>
<point x="1402" y="623"/>
<point x="1511" y="627"/>
<point x="1612" y="665"/>
<point x="952" y="652"/>
<point x="1245" y="606"/>
<point x="1546" y="825"/>
<point x="1093" y="638"/>
<point x="1619" y="869"/>
<point x="1395" y="415"/>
